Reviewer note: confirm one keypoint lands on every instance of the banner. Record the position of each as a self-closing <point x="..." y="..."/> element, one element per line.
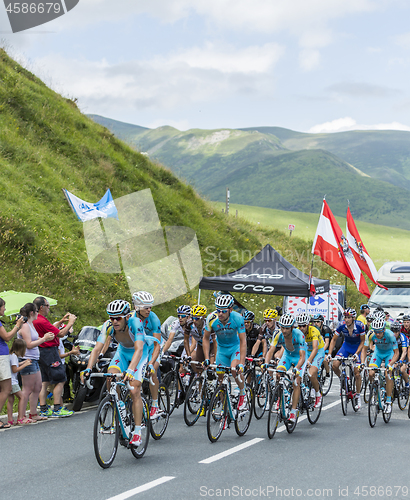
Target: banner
<point x="87" y="211"/>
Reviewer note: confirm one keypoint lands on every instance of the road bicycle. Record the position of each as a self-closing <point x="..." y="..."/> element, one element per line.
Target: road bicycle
<point x="377" y="397"/>
<point x="325" y="379"/>
<point x="347" y="383"/>
<point x="257" y="380"/>
<point x="114" y="422"/>
<point x="159" y="424"/>
<point x="223" y="407"/>
<point x="199" y="394"/>
<point x="400" y="392"/>
<point x="280" y="405"/>
<point x="176" y="382"/>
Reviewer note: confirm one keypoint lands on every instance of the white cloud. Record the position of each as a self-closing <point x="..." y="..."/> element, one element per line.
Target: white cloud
<point x="309" y="59"/>
<point x="348" y="123"/>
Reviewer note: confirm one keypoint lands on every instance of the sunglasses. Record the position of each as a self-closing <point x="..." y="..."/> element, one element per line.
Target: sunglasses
<point x="222" y="311"/>
<point x="247" y="322"/>
<point x="195" y="318"/>
<point x="182" y="315"/>
<point x="267" y="320"/>
<point x="116" y="318"/>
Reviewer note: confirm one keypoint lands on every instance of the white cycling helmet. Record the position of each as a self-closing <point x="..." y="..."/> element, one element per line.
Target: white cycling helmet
<point x="287" y="320"/>
<point x="142" y="299"/>
<point x="378" y="324"/>
<point x="118" y="308"/>
<point x="184" y="309"/>
<point x="303" y="319"/>
<point x="224" y="301"/>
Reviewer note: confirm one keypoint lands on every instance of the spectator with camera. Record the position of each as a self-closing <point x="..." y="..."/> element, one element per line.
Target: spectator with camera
<point x="5" y="371"/>
<point x="52" y="369"/>
<point x="30" y="374"/>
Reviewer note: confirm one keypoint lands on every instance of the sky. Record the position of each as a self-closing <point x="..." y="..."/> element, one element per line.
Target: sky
<point x="306" y="65"/>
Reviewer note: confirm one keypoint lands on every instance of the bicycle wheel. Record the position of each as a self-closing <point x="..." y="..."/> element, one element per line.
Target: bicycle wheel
<point x="171" y="383"/>
<point x="290" y="426"/>
<point x="217" y="414"/>
<point x="273" y="412"/>
<point x="403" y="397"/>
<point x="373" y="405"/>
<point x="344" y="394"/>
<point x="351" y="388"/>
<point x="261" y="397"/>
<point x="313" y="412"/>
<point x="145" y="429"/>
<point x="244" y="417"/>
<point x="366" y="388"/>
<point x="325" y="381"/>
<point x="106" y="432"/>
<point x="159" y="424"/>
<point x="194" y="401"/>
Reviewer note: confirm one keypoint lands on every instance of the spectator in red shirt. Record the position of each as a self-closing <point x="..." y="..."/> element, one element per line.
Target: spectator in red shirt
<point x="51" y="367"/>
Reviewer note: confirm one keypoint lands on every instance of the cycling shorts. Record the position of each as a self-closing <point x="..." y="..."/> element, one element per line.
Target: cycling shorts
<point x="122" y="359"/>
<point x="287" y="361"/>
<point x="318" y="359"/>
<point x="378" y="357"/>
<point x="225" y="356"/>
<point x="347" y="350"/>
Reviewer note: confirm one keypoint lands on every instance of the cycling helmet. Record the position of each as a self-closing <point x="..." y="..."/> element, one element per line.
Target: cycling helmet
<point x="406" y="317"/>
<point x="363" y="307"/>
<point x="349" y="313"/>
<point x="286" y="320"/>
<point x="395" y="327"/>
<point x="199" y="310"/>
<point x="270" y="314"/>
<point x="379" y="314"/>
<point x="248" y="315"/>
<point x="143" y="299"/>
<point x="370" y="318"/>
<point x="318" y="317"/>
<point x="118" y="308"/>
<point x="279" y="309"/>
<point x="224" y="301"/>
<point x="184" y="310"/>
<point x="378" y="324"/>
<point x="303" y="318"/>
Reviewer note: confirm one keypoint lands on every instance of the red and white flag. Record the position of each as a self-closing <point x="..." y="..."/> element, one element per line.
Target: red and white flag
<point x="359" y="250"/>
<point x="333" y="248"/>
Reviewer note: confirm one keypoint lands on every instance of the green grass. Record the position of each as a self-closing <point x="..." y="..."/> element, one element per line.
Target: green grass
<point x="383" y="243"/>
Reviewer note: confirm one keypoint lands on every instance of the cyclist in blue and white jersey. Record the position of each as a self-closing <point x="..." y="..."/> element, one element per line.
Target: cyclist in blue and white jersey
<point x="130" y="357"/>
<point x="403" y="346"/>
<point x="229" y="329"/>
<point x="294" y="353"/>
<point x="354" y="338"/>
<point x="385" y="349"/>
<point x="327" y="334"/>
<point x="143" y="302"/>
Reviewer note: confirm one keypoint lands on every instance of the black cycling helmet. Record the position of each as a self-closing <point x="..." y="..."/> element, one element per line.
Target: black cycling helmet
<point x="395" y="327"/>
<point x="364" y="306"/>
<point x="248" y="315"/>
<point x="406" y="317"/>
<point x="318" y="317"/>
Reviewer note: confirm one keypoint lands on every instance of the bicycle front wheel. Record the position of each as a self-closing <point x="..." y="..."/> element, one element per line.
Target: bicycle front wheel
<point x="145" y="426"/>
<point x="160" y="422"/>
<point x="171" y="383"/>
<point x="344" y="394"/>
<point x="313" y="412"/>
<point x="106" y="432"/>
<point x="194" y="403"/>
<point x="326" y="380"/>
<point x="261" y="397"/>
<point x="403" y="397"/>
<point x="373" y="405"/>
<point x="273" y="412"/>
<point x="244" y="416"/>
<point x="217" y="414"/>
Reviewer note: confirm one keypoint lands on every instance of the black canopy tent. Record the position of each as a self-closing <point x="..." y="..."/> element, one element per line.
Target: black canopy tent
<point x="267" y="273"/>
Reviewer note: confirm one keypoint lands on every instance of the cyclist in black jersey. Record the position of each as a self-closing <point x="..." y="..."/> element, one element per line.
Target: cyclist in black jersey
<point x="252" y="330"/>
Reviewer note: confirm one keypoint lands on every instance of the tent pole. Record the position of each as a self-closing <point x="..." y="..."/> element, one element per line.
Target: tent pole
<point x="199" y="296"/>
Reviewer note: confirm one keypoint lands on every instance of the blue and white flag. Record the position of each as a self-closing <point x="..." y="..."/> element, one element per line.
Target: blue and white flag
<point x="86" y="211"/>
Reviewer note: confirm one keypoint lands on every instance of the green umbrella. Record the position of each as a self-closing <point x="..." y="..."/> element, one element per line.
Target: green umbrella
<point x="16" y="300"/>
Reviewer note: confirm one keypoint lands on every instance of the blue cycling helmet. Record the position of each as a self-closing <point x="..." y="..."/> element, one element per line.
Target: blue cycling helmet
<point x="364" y="306"/>
<point x="184" y="310"/>
<point x="318" y="317"/>
<point x="248" y="315"/>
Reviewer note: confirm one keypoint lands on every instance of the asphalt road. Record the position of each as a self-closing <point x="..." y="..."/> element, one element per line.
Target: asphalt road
<point x="339" y="457"/>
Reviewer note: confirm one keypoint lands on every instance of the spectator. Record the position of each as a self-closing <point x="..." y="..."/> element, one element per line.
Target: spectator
<point x="30" y="374"/>
<point x="17" y="349"/>
<point x="5" y="372"/>
<point x="51" y="367"/>
<point x="63" y="354"/>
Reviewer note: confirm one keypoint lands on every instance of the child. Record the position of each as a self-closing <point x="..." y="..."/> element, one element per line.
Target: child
<point x="17" y="349"/>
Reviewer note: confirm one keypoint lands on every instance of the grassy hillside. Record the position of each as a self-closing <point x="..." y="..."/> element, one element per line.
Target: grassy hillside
<point x="383" y="243"/>
<point x="272" y="167"/>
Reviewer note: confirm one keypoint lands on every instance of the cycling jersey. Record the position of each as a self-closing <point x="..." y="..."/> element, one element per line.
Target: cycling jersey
<point x="298" y="341"/>
<point x="313" y="334"/>
<point x="252" y="336"/>
<point x="362" y="319"/>
<point x="227" y="335"/>
<point x="355" y="338"/>
<point x="387" y="343"/>
<point x="151" y="324"/>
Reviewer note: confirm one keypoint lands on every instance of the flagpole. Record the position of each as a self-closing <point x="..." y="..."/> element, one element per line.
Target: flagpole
<point x="346" y="293"/>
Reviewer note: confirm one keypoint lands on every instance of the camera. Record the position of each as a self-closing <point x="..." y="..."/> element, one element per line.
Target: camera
<point x="24" y="318"/>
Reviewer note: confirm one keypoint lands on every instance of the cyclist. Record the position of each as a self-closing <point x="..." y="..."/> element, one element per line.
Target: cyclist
<point x="315" y="351"/>
<point x="402" y="344"/>
<point x="405" y="328"/>
<point x="143" y="302"/>
<point x="229" y="329"/>
<point x="354" y="338"/>
<point x="196" y="330"/>
<point x="327" y="334"/>
<point x="252" y="331"/>
<point x="364" y="312"/>
<point x="385" y="349"/>
<point x="130" y="357"/>
<point x="294" y="353"/>
<point x="267" y="332"/>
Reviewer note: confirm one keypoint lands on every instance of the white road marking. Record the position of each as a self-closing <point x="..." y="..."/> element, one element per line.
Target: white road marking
<point x="140" y="489"/>
<point x="301" y="419"/>
<point x="226" y="453"/>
